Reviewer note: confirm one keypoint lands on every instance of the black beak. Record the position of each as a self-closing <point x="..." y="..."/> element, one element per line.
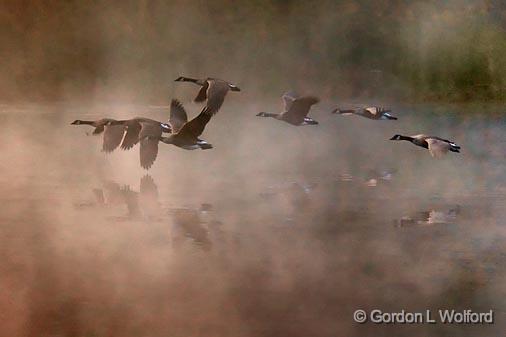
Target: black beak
<point x="234" y="88"/>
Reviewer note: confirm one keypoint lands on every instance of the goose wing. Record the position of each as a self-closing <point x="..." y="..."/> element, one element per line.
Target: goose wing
<point x="113" y="136"/>
<point x="452" y="144"/>
<point x="299" y="109"/>
<point x="148" y="138"/>
<point x="216" y="93"/>
<point x="288" y="98"/>
<point x="178" y="116"/>
<point x="100" y="125"/>
<point x="194" y="128"/>
<point x="437" y="147"/>
<point x="202" y="94"/>
<point x="133" y="128"/>
<point x="373" y="110"/>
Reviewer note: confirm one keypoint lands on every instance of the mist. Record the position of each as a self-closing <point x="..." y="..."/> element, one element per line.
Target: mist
<point x="278" y="230"/>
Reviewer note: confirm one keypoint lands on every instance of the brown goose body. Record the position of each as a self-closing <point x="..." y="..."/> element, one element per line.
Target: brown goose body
<point x="212" y="90"/>
<point x="437" y="146"/>
<point x="372" y="112"/>
<point x="113" y="134"/>
<point x="296" y="109"/>
<point x="187" y="136"/>
<point x="144" y="131"/>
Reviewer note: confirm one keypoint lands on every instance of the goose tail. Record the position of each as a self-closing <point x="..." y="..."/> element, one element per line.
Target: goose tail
<point x="389" y="116"/>
<point x="454" y="148"/>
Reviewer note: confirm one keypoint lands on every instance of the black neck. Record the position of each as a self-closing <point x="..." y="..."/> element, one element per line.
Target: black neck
<point x="270" y="114"/>
<point x="188" y="79"/>
<point x="87" y="122"/>
<point x="408" y="138"/>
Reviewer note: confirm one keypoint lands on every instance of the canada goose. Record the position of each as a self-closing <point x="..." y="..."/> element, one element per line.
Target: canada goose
<point x="213" y="89"/>
<point x="436" y="146"/>
<point x="178" y="116"/>
<point x="113" y="133"/>
<point x="295" y="110"/>
<point x="372" y="112"/>
<point x="143" y="130"/>
<point x="187" y="137"/>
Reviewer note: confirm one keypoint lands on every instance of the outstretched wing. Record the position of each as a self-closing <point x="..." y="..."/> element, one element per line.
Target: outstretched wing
<point x="216" y="93"/>
<point x="194" y="128"/>
<point x="178" y="116"/>
<point x="452" y="144"/>
<point x="148" y="138"/>
<point x="437" y="147"/>
<point x="299" y="109"/>
<point x="113" y="136"/>
<point x="133" y="128"/>
<point x="202" y="95"/>
<point x="288" y="98"/>
<point x="373" y="110"/>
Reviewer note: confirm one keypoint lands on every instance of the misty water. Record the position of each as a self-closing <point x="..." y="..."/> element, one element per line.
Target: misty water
<point x="276" y="231"/>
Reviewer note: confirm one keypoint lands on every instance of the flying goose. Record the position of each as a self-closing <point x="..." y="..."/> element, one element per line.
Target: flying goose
<point x="144" y="131"/>
<point x="187" y="137"/>
<point x="372" y="112"/>
<point x="436" y="146"/>
<point x="295" y="109"/>
<point x="113" y="133"/>
<point x="178" y="116"/>
<point x="213" y="89"/>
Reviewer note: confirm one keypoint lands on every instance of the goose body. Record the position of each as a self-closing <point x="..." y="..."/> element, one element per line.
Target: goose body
<point x="144" y="131"/>
<point x="212" y="89"/>
<point x="187" y="136"/>
<point x="129" y="132"/>
<point x="372" y="112"/>
<point x="296" y="109"/>
<point x="437" y="146"/>
<point x="113" y="134"/>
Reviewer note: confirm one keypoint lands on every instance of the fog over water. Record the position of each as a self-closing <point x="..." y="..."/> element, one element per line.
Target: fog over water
<point x="278" y="230"/>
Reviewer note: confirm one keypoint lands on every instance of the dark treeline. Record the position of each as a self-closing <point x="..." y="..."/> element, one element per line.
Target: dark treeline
<point x="410" y="50"/>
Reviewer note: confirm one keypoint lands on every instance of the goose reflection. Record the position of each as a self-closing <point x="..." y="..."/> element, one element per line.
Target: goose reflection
<point x="431" y="217"/>
<point x="195" y="224"/>
<point x="142" y="205"/>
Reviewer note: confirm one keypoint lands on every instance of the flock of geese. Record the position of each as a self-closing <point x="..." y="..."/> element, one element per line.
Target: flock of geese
<point x="181" y="132"/>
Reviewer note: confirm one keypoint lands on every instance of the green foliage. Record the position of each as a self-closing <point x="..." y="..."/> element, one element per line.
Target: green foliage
<point x="413" y="50"/>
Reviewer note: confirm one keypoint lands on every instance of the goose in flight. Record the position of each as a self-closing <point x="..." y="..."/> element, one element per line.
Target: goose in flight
<point x="212" y="89"/>
<point x="137" y="131"/>
<point x="437" y="147"/>
<point x="372" y="112"/>
<point x="187" y="135"/>
<point x="296" y="109"/>
<point x="113" y="134"/>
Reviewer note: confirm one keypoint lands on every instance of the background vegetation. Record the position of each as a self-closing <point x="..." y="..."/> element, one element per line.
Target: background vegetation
<point x="401" y="49"/>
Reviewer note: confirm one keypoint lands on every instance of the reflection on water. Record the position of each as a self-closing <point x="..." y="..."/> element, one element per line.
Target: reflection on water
<point x="142" y="204"/>
<point x="254" y="238"/>
<point x="431" y="217"/>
